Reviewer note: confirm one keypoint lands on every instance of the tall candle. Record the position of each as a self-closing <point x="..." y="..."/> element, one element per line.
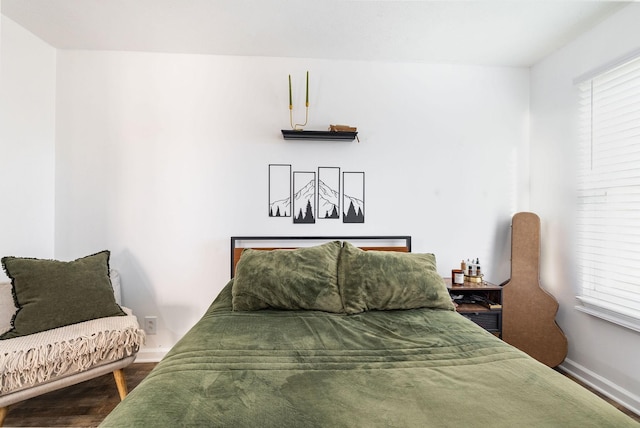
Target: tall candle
<point x="290" y="102"/>
<point x="307" y="89"/>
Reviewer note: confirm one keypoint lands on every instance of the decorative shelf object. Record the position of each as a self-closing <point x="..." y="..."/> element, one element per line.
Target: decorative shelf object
<point x="335" y="133"/>
<point x="289" y="134"/>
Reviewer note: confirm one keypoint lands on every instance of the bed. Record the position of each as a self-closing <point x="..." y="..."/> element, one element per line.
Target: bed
<point x="332" y="335"/>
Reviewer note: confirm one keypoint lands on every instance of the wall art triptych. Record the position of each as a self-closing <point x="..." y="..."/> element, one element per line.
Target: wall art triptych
<point x="310" y="196"/>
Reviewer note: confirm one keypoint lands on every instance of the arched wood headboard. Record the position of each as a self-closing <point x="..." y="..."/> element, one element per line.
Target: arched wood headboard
<point x="401" y="243"/>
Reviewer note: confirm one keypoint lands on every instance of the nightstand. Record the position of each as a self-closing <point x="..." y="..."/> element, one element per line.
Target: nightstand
<point x="480" y="302"/>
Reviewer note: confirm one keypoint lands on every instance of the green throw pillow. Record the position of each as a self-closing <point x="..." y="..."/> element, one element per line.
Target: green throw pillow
<point x="305" y="278"/>
<point x="387" y="280"/>
<point x="51" y="293"/>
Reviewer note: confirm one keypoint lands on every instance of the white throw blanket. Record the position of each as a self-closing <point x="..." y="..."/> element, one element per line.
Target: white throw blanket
<point x="40" y="357"/>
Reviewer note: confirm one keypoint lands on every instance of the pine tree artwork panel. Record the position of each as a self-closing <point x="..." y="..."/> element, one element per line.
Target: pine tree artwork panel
<point x="280" y="190"/>
<point x="353" y="197"/>
<point x="328" y="193"/>
<point x="304" y="197"/>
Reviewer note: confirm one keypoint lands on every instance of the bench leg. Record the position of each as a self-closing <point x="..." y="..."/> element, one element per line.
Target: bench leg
<point x="3" y="414"/>
<point x="121" y="383"/>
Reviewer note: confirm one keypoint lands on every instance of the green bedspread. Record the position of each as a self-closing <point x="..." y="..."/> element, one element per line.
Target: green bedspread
<point x="410" y="368"/>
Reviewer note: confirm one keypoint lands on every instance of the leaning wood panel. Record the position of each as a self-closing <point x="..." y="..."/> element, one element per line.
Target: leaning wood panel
<point x="529" y="311"/>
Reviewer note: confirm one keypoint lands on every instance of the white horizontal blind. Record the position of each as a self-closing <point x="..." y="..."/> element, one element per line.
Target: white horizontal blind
<point x="609" y="189"/>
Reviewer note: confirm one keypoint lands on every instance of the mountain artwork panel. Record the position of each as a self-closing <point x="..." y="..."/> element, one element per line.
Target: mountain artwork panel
<point x="353" y="197"/>
<point x="304" y="197"/>
<point x="328" y="193"/>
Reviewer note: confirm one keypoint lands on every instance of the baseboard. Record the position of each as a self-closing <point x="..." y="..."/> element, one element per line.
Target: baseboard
<point x="151" y="355"/>
<point x="602" y="385"/>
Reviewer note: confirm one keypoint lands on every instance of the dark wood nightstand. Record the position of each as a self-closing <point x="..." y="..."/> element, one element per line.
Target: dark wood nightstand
<point x="481" y="302"/>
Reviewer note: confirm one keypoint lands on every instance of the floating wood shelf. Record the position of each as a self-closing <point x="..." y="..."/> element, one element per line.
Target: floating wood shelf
<point x="289" y="134"/>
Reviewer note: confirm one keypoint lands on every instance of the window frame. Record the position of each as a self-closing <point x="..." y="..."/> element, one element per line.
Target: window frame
<point x="595" y="298"/>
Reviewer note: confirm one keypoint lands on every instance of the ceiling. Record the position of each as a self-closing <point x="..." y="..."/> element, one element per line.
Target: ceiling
<point x="484" y="32"/>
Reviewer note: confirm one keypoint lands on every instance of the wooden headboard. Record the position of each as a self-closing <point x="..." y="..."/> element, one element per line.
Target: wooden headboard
<point x="401" y="243"/>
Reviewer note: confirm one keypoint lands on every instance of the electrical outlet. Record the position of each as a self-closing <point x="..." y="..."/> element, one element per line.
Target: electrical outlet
<point x="151" y="325"/>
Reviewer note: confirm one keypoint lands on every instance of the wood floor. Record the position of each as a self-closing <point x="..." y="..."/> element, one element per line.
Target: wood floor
<point x="605" y="398"/>
<point x="88" y="403"/>
<point x="83" y="405"/>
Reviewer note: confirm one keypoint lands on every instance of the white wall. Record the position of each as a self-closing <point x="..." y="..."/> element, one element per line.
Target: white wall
<point x="600" y="352"/>
<point x="161" y="158"/>
<point x="27" y="139"/>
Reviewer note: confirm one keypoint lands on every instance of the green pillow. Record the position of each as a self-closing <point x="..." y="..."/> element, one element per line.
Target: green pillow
<point x="51" y="293"/>
<point x="387" y="280"/>
<point x="305" y="278"/>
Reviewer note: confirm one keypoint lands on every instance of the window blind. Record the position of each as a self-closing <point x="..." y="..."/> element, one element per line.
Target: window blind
<point x="608" y="228"/>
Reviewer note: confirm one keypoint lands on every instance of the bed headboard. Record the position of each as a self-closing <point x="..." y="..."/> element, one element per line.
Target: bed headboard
<point x="401" y="243"/>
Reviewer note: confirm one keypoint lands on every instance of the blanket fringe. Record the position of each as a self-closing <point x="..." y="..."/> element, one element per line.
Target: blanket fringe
<point x="37" y="365"/>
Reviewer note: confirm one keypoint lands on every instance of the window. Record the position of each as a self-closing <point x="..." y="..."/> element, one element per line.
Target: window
<point x="608" y="247"/>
